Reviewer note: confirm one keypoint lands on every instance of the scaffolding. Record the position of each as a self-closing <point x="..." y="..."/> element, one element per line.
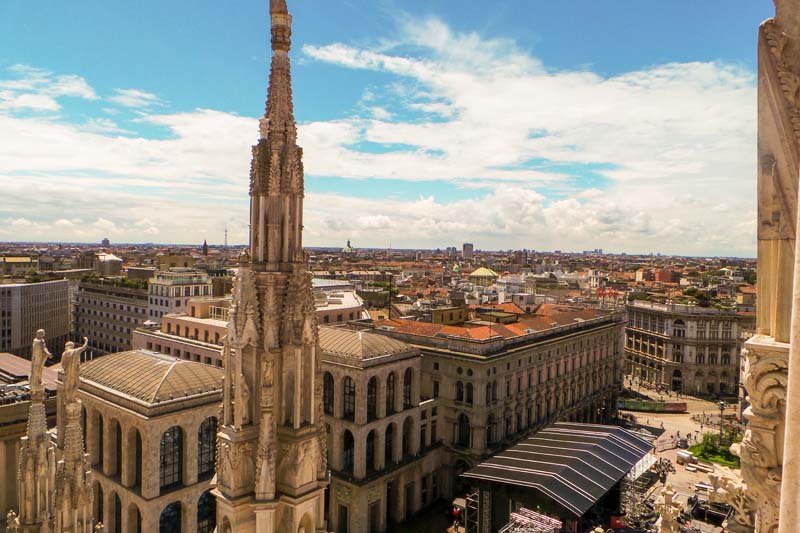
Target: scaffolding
<point x="527" y="521"/>
<point x="471" y="514"/>
<point x="633" y="490"/>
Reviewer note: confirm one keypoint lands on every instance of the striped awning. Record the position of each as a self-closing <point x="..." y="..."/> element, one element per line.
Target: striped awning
<point x="574" y="464"/>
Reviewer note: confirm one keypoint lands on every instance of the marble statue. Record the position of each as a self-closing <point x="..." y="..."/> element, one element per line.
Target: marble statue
<point x="39" y="355"/>
<point x="70" y="361"/>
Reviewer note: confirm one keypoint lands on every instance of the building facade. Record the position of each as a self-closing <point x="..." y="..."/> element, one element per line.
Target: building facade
<point x="496" y="384"/>
<point x="27" y="307"/>
<point x="108" y="314"/>
<point x="150" y="424"/>
<point x="170" y="291"/>
<point x="197" y="336"/>
<point x="384" y="448"/>
<point x="685" y="348"/>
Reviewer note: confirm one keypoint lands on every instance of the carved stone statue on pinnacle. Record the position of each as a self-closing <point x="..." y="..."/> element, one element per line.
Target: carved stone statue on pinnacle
<point x="39" y="355"/>
<point x="70" y="362"/>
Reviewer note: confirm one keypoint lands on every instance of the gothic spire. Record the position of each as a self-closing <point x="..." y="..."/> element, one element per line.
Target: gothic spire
<point x="276" y="175"/>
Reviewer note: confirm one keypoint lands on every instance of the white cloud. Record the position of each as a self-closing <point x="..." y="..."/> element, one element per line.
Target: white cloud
<point x="134" y="98"/>
<point x="664" y="147"/>
<point x="36" y="89"/>
<point x="10" y="101"/>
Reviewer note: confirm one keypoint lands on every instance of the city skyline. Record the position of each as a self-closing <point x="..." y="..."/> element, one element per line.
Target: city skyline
<point x="422" y="128"/>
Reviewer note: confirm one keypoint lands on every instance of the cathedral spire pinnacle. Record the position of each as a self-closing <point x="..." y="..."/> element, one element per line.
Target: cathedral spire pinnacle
<point x="281" y="25"/>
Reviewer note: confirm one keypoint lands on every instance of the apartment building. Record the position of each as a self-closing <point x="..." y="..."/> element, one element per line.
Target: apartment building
<point x="107" y="312"/>
<point x="170" y="291"/>
<point x="27" y="307"/>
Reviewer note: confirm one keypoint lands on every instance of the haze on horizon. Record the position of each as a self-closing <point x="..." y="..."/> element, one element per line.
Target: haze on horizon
<point x="624" y="127"/>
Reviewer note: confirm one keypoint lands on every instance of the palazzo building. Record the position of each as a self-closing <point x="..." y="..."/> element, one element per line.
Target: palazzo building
<point x="384" y="444"/>
<point x="685" y="348"/>
<point x="496" y="383"/>
<point x="150" y="424"/>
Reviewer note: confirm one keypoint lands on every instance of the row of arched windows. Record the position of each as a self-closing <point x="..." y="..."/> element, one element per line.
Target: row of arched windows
<point x="171" y="453"/>
<point x="349" y="395"/>
<point x="170" y="519"/>
<point x="348" y="446"/>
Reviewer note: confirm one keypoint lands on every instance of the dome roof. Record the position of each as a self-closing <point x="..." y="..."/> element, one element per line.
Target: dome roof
<point x="359" y="344"/>
<point x="151" y="377"/>
<point x="484" y="272"/>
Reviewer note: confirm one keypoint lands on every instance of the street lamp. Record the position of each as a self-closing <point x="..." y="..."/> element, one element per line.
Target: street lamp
<point x="721" y="406"/>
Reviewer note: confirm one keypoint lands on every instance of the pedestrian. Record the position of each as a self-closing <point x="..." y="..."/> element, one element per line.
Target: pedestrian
<point x="662" y="425"/>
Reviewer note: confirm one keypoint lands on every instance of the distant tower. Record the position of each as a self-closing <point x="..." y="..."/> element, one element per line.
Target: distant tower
<point x="105" y="242"/>
<point x="467" y="250"/>
<point x="272" y="467"/>
<point x="205" y="247"/>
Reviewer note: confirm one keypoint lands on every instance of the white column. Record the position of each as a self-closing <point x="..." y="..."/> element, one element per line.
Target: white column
<point x="790" y="497"/>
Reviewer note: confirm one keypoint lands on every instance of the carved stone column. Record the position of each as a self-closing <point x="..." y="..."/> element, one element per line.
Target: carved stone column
<point x="756" y="496"/>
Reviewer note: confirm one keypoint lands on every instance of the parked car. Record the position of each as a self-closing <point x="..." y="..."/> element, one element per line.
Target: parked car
<point x="682" y="443"/>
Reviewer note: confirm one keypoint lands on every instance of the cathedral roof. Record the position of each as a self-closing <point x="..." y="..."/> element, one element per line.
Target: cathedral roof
<point x="359" y="344"/>
<point x="151" y="377"/>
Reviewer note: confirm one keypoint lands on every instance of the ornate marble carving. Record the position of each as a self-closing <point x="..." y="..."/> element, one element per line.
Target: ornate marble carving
<point x="39" y="355"/>
<point x="270" y="399"/>
<point x="70" y="361"/>
<point x="54" y="496"/>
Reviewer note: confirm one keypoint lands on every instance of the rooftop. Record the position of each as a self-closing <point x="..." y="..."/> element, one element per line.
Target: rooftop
<point x="484" y="272"/>
<point x="150" y="377"/>
<point x="574" y="464"/>
<point x="14" y="369"/>
<point x="358" y="344"/>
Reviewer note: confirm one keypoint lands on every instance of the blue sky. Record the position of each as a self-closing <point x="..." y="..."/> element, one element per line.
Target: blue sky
<point x="617" y="124"/>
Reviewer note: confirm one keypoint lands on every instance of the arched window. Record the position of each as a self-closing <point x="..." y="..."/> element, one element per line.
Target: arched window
<point x="408" y="426"/>
<point x="170" y="474"/>
<point x="390" y="391"/>
<point x="407" y="377"/>
<point x="117" y="513"/>
<point x="348" y="447"/>
<point x="677" y="357"/>
<point x="463" y="430"/>
<point x="370" y="452"/>
<point x="206" y="447"/>
<point x="459" y="391"/>
<point x="372" y="399"/>
<point x="98" y="502"/>
<point x="170" y="520"/>
<point x="725" y="359"/>
<point x="494" y="391"/>
<point x="712" y="359"/>
<point x="134" y="519"/>
<point x="488" y="393"/>
<point x="491" y="431"/>
<point x="206" y="513"/>
<point x="469" y="393"/>
<point x="327" y="393"/>
<point x="349" y="398"/>
<point x="388" y="446"/>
